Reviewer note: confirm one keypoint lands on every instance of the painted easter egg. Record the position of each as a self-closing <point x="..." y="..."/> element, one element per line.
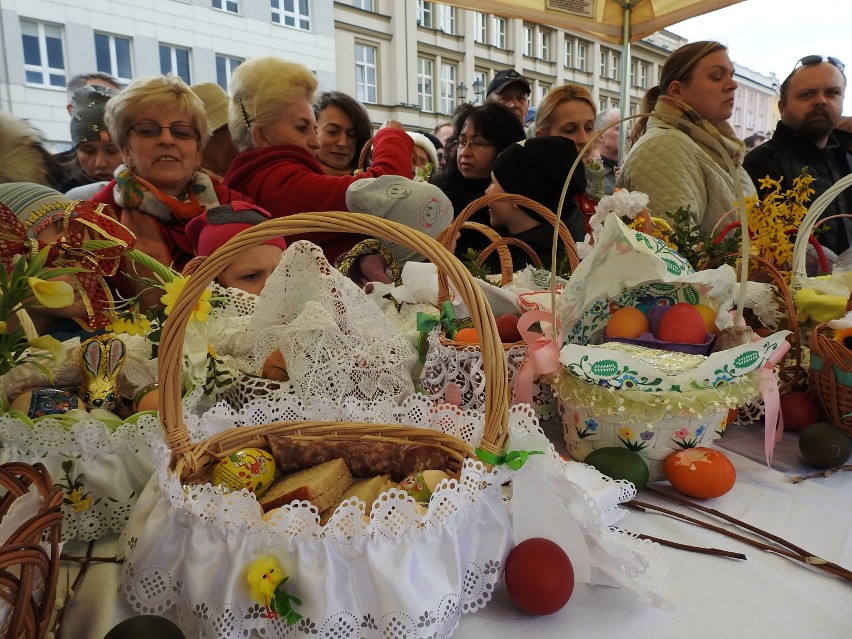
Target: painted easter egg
<point x="251" y="468"/>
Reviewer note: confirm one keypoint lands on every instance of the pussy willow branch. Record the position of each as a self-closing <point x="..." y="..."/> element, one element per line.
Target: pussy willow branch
<point x="716" y="552"/>
<point x="823" y="473"/>
<point x="788" y="549"/>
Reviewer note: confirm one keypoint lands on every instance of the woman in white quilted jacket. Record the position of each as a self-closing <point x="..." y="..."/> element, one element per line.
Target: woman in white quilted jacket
<point x="686" y="166"/>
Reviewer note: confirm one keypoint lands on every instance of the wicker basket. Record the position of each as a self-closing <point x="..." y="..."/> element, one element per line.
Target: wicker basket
<point x="29" y="558"/>
<point x="830" y="373"/>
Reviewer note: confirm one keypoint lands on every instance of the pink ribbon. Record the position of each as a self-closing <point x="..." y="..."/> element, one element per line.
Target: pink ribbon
<point x="772" y="417"/>
<point x="542" y="355"/>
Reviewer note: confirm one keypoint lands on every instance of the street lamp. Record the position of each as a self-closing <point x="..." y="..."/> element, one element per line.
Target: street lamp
<point x="478" y="89"/>
<point x="461" y="92"/>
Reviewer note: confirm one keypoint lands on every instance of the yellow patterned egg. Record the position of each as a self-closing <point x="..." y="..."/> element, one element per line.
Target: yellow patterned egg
<point x="421" y="485"/>
<point x="251" y="468"/>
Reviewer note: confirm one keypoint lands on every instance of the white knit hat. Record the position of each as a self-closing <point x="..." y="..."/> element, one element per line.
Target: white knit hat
<point x="424" y="143"/>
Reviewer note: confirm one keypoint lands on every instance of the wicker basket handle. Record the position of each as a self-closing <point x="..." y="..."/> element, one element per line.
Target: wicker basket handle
<point x="506" y="270"/>
<point x="174" y="330"/>
<point x="363" y="155"/>
<point x="449" y="233"/>
<point x="535" y="260"/>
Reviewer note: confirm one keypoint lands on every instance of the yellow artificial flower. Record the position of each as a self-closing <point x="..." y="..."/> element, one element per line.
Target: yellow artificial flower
<point x="175" y="288"/>
<point x="51" y="345"/>
<point x="51" y="293"/>
<point x="131" y="324"/>
<point x="2" y="327"/>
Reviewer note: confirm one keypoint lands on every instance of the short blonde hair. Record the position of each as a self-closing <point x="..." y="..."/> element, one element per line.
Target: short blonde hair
<point x="154" y="93"/>
<point x="262" y="89"/>
<point x="555" y="97"/>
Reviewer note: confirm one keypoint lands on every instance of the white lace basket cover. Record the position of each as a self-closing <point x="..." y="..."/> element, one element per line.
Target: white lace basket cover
<point x="404" y="574"/>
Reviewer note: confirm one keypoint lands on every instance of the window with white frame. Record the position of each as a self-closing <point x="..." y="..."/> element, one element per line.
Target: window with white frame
<point x="615" y="66"/>
<point x="542" y="91"/>
<point x="447" y="18"/>
<point x="175" y="60"/>
<point x="498" y="32"/>
<point x="291" y="13"/>
<point x="750" y="120"/>
<point x="634" y="108"/>
<point x="545" y="38"/>
<point x="633" y="73"/>
<point x="480" y="30"/>
<point x="366" y="5"/>
<point x="738" y="116"/>
<point x="231" y="6"/>
<point x="424" y="14"/>
<point x="365" y="73"/>
<point x="604" y="63"/>
<point x="614" y="103"/>
<point x="643" y="75"/>
<point x="528" y="41"/>
<point x="225" y="66"/>
<point x="44" y="59"/>
<point x="582" y="54"/>
<point x="761" y="123"/>
<point x="601" y="105"/>
<point x="448" y="88"/>
<point x="425" y="92"/>
<point x="569" y="51"/>
<point x="112" y="55"/>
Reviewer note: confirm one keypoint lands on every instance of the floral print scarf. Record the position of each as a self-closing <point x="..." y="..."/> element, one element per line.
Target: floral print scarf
<point x="134" y="192"/>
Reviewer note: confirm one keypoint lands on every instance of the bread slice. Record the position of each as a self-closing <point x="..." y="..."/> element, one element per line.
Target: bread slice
<point x="321" y="485"/>
<point x="367" y="490"/>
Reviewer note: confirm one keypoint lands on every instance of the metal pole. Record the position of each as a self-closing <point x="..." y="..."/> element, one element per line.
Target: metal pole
<point x="625" y="83"/>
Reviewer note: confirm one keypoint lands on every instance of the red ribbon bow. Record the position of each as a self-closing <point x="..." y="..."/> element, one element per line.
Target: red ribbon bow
<point x="542" y="355"/>
<point x="81" y="221"/>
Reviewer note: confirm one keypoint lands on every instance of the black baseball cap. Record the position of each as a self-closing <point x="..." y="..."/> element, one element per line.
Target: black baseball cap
<point x="504" y="78"/>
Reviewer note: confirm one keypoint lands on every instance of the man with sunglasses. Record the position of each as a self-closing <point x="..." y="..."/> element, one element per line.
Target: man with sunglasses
<point x="811" y="104"/>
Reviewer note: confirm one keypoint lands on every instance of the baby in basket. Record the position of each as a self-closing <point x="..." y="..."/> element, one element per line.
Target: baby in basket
<point x="250" y="270"/>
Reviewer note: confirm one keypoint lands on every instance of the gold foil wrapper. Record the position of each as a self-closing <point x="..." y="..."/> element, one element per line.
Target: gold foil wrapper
<point x="669" y="362"/>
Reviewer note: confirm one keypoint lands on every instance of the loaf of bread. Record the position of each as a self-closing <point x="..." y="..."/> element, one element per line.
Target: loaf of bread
<point x="322" y="485"/>
<point x="367" y="490"/>
<point x="364" y="459"/>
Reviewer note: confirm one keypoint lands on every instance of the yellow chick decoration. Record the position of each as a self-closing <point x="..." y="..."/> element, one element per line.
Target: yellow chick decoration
<point x="266" y="580"/>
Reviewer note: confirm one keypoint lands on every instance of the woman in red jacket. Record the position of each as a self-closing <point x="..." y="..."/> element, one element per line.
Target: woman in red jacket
<point x="272" y="121"/>
<point x="161" y="128"/>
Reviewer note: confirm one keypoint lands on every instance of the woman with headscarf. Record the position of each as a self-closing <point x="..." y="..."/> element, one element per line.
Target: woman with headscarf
<point x="680" y="166"/>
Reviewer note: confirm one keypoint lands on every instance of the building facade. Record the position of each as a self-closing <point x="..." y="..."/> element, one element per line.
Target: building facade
<point x="409" y="60"/>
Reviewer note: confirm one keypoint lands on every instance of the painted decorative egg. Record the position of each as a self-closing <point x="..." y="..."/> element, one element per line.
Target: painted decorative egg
<point x="620" y="463"/>
<point x="703" y="473"/>
<point x="682" y="324"/>
<point x="627" y="322"/>
<point x="824" y="445"/>
<point x="539" y="576"/>
<point x="251" y="468"/>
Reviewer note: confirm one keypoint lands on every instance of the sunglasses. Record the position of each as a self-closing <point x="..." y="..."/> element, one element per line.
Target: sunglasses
<point x="810" y="60"/>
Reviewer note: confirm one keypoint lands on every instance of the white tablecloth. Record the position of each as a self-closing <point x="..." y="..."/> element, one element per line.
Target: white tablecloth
<point x="764" y="596"/>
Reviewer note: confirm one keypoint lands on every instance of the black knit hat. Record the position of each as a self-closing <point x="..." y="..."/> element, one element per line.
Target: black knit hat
<point x="536" y="168"/>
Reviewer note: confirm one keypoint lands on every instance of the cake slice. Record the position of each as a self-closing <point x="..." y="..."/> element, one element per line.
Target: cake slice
<point x="322" y="485"/>
<point x="367" y="490"/>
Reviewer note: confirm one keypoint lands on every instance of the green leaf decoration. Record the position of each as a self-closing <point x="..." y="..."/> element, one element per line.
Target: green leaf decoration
<point x="691" y="295"/>
<point x="744" y="360"/>
<point x="672" y="267"/>
<point x="605" y="368"/>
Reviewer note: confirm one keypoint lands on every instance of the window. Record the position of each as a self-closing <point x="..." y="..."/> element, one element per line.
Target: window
<point x="425" y="93"/>
<point x="601" y="105"/>
<point x="643" y="76"/>
<point x="750" y="120"/>
<point x="604" y="62"/>
<point x="366" y="5"/>
<point x="447" y="18"/>
<point x="738" y="116"/>
<point x="614" y="103"/>
<point x="498" y="32"/>
<point x="581" y="56"/>
<point x="448" y="88"/>
<point x="569" y="49"/>
<point x="634" y="108"/>
<point x="365" y="73"/>
<point x="542" y="91"/>
<point x="225" y="66"/>
<point x="545" y="39"/>
<point x="528" y="41"/>
<point x="633" y="73"/>
<point x="480" y="32"/>
<point x="761" y="123"/>
<point x="112" y="55"/>
<point x="44" y="61"/>
<point x="231" y="6"/>
<point x="174" y="60"/>
<point x="616" y="66"/>
<point x="291" y="13"/>
<point x="424" y="14"/>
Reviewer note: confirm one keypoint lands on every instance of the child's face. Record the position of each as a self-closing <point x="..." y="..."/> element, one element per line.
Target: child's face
<point x="501" y="213"/>
<point x="252" y="268"/>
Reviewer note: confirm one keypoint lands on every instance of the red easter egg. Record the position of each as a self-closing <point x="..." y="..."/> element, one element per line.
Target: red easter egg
<point x="683" y="324"/>
<point x="539" y="576"/>
<point x="507" y="328"/>
<point x="799" y="410"/>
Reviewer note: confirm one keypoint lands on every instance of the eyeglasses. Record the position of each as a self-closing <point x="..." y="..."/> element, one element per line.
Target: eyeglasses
<point x="153" y="130"/>
<point x="810" y="60"/>
<point x="473" y="144"/>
